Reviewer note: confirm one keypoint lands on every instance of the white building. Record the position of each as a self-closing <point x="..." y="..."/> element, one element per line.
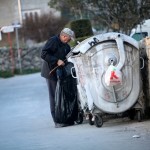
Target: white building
<point x="13" y="11"/>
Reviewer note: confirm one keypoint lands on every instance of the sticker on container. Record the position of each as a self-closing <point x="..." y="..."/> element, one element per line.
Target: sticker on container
<point x="113" y="76"/>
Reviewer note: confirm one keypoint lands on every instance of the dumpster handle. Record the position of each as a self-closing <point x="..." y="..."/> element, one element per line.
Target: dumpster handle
<point x="72" y="72"/>
<point x="114" y="96"/>
<point x="142" y="63"/>
<point x="121" y="50"/>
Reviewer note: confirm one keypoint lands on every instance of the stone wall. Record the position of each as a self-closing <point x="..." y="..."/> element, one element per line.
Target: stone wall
<point x="30" y="58"/>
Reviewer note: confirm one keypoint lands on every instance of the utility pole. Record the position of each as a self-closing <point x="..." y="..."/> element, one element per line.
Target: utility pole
<point x="18" y="47"/>
<point x="19" y="11"/>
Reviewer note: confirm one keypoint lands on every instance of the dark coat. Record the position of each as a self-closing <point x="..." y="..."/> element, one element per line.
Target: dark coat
<point x="53" y="50"/>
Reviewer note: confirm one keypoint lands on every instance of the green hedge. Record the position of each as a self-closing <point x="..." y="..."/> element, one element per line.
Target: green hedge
<point x="27" y="71"/>
<point x="82" y="28"/>
<point x="7" y="74"/>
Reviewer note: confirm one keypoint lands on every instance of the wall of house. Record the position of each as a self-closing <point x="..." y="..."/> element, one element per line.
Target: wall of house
<point x="9" y="10"/>
<point x="38" y="6"/>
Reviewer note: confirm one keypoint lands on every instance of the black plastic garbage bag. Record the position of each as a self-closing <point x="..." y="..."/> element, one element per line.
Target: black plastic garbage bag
<point x="66" y="104"/>
<point x="65" y="71"/>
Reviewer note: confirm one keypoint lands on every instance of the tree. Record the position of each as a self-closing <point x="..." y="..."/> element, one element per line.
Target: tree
<point x="74" y="7"/>
<point x="117" y="15"/>
<point x="40" y="28"/>
<point x="120" y="15"/>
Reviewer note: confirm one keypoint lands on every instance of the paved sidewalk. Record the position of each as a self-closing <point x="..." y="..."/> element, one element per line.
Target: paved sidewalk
<point x="24" y="112"/>
<point x="26" y="124"/>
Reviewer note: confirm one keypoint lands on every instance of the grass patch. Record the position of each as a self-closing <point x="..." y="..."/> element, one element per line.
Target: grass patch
<point x="27" y="71"/>
<point x="8" y="74"/>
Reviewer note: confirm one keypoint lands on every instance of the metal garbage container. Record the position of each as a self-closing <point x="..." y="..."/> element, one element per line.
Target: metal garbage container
<point x="94" y="57"/>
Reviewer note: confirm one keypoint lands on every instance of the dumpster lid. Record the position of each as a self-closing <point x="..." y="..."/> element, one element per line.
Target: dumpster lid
<point x="94" y="40"/>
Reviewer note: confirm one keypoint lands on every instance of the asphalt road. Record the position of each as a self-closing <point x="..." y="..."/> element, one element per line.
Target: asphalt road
<point x="26" y="124"/>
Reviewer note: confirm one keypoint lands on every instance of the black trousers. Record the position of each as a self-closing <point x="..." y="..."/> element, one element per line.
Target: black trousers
<point x="51" y="89"/>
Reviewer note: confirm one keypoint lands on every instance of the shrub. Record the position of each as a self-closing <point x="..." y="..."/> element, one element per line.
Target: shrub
<point x="40" y="28"/>
<point x="6" y="74"/>
<point x="82" y="28"/>
<point x="27" y="71"/>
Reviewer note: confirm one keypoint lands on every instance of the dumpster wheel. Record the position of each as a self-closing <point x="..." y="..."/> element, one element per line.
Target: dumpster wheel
<point x="132" y="114"/>
<point x="139" y="115"/>
<point x="91" y="122"/>
<point x="98" y="121"/>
